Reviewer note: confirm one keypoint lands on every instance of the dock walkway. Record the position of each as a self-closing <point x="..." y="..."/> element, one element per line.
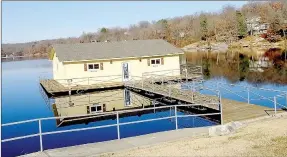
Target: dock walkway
<point x="172" y="93"/>
<point x="52" y="87"/>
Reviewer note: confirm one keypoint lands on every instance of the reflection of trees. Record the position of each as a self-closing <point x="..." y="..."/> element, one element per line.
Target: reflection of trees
<point x="206" y="68"/>
<point x="236" y="68"/>
<point x="243" y="67"/>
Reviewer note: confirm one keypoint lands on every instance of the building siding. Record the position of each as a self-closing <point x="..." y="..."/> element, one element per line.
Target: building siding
<point x="136" y="68"/>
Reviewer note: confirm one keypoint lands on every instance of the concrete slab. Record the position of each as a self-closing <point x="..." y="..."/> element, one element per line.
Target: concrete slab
<point x="95" y="149"/>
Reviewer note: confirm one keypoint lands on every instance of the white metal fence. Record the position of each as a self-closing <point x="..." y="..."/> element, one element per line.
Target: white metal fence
<point x="118" y="124"/>
<point x="250" y="90"/>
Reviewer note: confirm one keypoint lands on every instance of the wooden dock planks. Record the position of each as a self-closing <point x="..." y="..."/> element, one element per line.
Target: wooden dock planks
<point x="53" y="87"/>
<point x="232" y="110"/>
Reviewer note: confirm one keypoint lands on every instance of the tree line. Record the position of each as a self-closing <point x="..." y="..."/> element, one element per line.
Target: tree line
<point x="227" y="25"/>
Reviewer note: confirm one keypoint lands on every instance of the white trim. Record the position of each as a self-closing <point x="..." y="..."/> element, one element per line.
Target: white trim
<point x="124" y="58"/>
<point x="93" y="70"/>
<point x="96" y="105"/>
<point x="155" y="59"/>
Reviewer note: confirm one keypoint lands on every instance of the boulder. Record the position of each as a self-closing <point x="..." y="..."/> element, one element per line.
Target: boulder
<point x="226" y="129"/>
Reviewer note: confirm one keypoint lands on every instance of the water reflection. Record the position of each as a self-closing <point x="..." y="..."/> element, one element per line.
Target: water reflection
<point x="90" y="107"/>
<point x="270" y="67"/>
<point x="96" y="103"/>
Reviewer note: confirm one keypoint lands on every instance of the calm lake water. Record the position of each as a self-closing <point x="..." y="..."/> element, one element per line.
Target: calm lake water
<point x="21" y="100"/>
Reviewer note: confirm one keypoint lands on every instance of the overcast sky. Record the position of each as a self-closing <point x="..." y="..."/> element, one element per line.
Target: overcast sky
<point x="30" y="21"/>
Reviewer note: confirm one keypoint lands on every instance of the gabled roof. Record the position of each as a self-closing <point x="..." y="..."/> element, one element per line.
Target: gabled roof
<point x="109" y="50"/>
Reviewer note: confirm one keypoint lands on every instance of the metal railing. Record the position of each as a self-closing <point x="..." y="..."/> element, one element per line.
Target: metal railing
<point x="90" y="80"/>
<point x="250" y="90"/>
<point x="118" y="124"/>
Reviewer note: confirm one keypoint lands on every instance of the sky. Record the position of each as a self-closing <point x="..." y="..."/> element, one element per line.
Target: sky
<point x="31" y="21"/>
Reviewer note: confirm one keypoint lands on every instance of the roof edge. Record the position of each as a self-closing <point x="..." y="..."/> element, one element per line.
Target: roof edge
<point x="171" y="54"/>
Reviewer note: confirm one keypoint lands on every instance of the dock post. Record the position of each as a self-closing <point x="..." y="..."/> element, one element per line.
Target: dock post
<point x="118" y="126"/>
<point x="40" y="134"/>
<point x="275" y="105"/>
<point x="175" y="114"/>
<point x="248" y="95"/>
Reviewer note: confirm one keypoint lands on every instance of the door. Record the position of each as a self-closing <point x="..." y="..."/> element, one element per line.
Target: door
<point x="127" y="96"/>
<point x="126" y="75"/>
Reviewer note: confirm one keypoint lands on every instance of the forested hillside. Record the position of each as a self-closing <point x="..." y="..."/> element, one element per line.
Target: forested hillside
<point x="226" y="25"/>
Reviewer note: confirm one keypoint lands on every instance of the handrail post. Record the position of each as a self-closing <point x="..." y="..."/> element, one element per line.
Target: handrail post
<point x="175" y="114"/>
<point x="186" y="75"/>
<point x="169" y="89"/>
<point x="221" y="108"/>
<point x="142" y="82"/>
<point x="275" y="105"/>
<point x="118" y="126"/>
<point x="40" y="134"/>
<point x="248" y="95"/>
<point x="69" y="85"/>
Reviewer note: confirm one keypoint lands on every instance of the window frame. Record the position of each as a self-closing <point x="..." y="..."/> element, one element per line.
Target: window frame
<point x="93" y="64"/>
<point x="155" y="59"/>
<point x="95" y="106"/>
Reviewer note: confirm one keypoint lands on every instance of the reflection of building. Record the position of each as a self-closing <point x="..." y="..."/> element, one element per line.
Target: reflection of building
<point x="256" y="27"/>
<point x="92" y="103"/>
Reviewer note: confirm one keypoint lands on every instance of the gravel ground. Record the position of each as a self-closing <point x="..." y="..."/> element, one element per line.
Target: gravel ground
<point x="266" y="137"/>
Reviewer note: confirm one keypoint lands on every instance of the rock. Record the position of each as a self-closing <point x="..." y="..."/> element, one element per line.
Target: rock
<point x="203" y="46"/>
<point x="226" y="129"/>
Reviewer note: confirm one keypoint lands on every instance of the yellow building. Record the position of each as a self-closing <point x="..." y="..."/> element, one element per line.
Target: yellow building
<point x="117" y="61"/>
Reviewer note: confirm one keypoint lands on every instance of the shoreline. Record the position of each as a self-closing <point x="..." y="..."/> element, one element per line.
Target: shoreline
<point x="160" y="143"/>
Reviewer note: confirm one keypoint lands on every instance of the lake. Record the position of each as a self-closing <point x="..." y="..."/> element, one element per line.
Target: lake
<point x="22" y="100"/>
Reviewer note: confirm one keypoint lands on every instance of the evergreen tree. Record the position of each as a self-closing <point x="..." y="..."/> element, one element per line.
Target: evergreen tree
<point x="241" y="24"/>
<point x="104" y="30"/>
<point x="203" y="26"/>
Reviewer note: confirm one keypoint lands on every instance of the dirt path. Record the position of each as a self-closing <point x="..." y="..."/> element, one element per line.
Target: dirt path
<point x="261" y="138"/>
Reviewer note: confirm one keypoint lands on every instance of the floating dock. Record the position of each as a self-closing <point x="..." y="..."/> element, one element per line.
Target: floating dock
<point x="54" y="88"/>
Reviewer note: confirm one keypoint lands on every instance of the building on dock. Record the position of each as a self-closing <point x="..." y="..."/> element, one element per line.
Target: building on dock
<point x="122" y="58"/>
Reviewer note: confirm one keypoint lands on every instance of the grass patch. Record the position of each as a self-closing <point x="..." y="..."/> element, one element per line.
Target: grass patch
<point x="235" y="137"/>
<point x="276" y="147"/>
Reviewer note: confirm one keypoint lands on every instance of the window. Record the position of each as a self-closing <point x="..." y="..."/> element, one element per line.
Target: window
<point x="93" y="66"/>
<point x="155" y="61"/>
<point x="96" y="108"/>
